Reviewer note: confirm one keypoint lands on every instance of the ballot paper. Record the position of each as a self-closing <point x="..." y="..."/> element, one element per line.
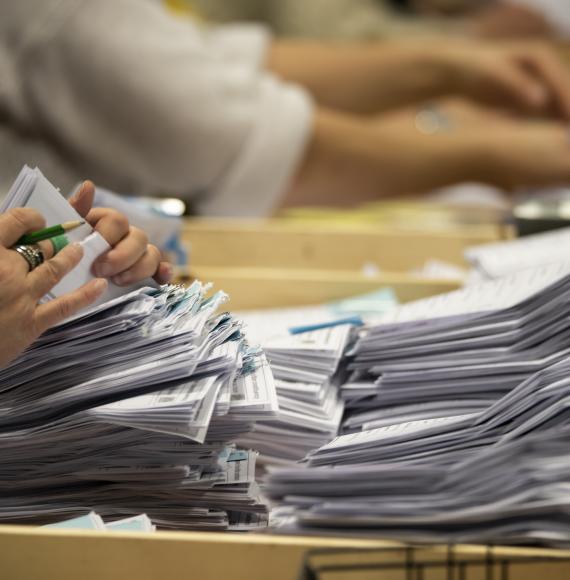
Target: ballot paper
<point x="308" y="355"/>
<point x="473" y="300"/>
<point x="31" y="189"/>
<point x="438" y="269"/>
<point x="497" y="476"/>
<point x="269" y="323"/>
<point x="507" y="257"/>
<point x="310" y="409"/>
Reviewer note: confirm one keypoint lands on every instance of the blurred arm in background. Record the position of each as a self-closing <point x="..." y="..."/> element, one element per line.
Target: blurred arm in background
<point x="352" y="160"/>
<point x="388" y="19"/>
<point x="146" y="103"/>
<point x="369" y="78"/>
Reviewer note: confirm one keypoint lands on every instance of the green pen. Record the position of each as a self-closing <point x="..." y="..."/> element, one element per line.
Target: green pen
<point x="58" y="243"/>
<point x="48" y="233"/>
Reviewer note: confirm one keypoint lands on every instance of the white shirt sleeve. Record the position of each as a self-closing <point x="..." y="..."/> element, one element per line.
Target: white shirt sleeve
<point x="243" y="44"/>
<point x="144" y="102"/>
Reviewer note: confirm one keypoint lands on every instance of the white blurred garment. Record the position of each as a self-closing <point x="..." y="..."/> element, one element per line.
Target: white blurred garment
<point x="140" y="101"/>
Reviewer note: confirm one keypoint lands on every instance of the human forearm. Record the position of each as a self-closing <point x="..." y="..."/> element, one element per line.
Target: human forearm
<point x="373" y="77"/>
<point x="333" y="172"/>
<point x="360" y="77"/>
<point x="350" y="161"/>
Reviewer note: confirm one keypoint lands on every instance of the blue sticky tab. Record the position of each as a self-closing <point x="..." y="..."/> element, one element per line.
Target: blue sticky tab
<point x="238" y="455"/>
<point x="353" y="320"/>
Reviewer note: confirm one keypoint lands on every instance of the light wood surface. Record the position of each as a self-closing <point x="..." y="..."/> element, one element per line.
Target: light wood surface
<point x="410" y="214"/>
<point x="38" y="554"/>
<point x="279" y="244"/>
<point x="275" y="263"/>
<point x="253" y="288"/>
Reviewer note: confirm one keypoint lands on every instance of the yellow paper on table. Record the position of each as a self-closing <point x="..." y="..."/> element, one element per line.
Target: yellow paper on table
<point x="409" y="215"/>
<point x="183" y="8"/>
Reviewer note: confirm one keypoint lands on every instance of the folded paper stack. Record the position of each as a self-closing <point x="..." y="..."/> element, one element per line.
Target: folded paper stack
<point x="310" y="409"/>
<point x="461" y="428"/>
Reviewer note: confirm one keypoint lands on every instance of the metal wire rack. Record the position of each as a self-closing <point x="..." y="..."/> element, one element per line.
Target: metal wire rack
<point x="425" y="563"/>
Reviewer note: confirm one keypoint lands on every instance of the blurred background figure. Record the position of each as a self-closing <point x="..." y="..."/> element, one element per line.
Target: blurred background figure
<point x="374" y="19"/>
<point x="499" y="18"/>
<point x="240" y="123"/>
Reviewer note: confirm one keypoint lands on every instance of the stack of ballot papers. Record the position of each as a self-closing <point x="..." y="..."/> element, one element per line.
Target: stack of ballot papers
<point x="133" y="406"/>
<point x="498" y="259"/>
<point x="497" y="476"/>
<point x="310" y="410"/>
<point x="457" y="353"/>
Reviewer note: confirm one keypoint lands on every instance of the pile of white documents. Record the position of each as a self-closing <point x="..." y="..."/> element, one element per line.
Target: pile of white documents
<point x="133" y="406"/>
<point x="498" y="476"/>
<point x="458" y="425"/>
<point x="458" y="353"/>
<point x="310" y="410"/>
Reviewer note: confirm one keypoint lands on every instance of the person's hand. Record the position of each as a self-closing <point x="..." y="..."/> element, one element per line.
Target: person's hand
<point x="131" y="258"/>
<point x="370" y="78"/>
<point x="22" y="320"/>
<point x="513" y="152"/>
<point x="482" y="145"/>
<point x="526" y="77"/>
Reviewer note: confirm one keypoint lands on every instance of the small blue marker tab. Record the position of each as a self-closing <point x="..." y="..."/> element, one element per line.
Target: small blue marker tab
<point x="354" y="320"/>
<point x="238" y="455"/>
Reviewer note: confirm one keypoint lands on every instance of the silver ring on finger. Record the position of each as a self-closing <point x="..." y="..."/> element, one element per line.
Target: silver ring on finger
<point x="32" y="254"/>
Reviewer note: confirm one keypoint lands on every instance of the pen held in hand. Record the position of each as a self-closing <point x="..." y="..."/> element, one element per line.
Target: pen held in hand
<point x="48" y="233"/>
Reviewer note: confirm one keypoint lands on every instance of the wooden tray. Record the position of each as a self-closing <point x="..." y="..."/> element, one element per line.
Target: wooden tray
<point x="28" y="553"/>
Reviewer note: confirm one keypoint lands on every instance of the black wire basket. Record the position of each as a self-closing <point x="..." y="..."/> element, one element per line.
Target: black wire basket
<point x="424" y="563"/>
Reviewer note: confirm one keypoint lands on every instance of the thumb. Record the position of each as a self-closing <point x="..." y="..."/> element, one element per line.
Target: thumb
<point x="82" y="199"/>
<point x="163" y="273"/>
